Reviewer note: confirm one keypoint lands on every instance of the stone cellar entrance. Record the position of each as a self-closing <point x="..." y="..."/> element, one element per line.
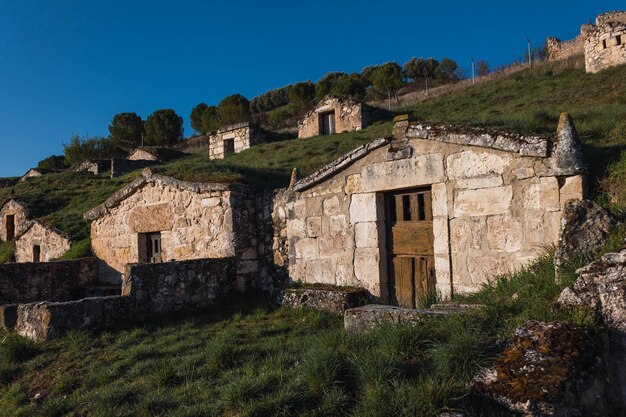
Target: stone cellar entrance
<point x="150" y="249"/>
<point x="36" y="253"/>
<point x="229" y="147"/>
<point x="409" y="222"/>
<point x="10" y="226"/>
<point x="327" y="123"/>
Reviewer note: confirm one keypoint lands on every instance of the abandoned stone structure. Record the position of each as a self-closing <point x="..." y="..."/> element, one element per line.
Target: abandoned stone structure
<point x="160" y="219"/>
<point x="434" y="209"/>
<point x="603" y="44"/>
<point x="334" y="115"/>
<point x="234" y="139"/>
<point x="96" y="167"/>
<point x="36" y="172"/>
<point x="13" y="220"/>
<point x="40" y="243"/>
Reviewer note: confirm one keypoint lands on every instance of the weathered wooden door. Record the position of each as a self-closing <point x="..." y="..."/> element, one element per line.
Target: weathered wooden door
<point x="410" y="246"/>
<point x="328" y="123"/>
<point x="154" y="248"/>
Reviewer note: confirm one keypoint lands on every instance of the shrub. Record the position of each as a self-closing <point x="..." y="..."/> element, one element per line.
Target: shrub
<point x="16" y="349"/>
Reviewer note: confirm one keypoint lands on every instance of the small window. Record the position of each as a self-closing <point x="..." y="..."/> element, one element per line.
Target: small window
<point x="421" y="207"/>
<point x="406" y="208"/>
<point x="618" y="40"/>
<point x="10" y="226"/>
<point x="604" y="44"/>
<point x="36" y="253"/>
<point x="229" y="147"/>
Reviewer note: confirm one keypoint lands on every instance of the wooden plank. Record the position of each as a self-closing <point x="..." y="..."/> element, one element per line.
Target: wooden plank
<point x="412" y="238"/>
<point x="403" y="268"/>
<point x="428" y="205"/>
<point x="399" y="208"/>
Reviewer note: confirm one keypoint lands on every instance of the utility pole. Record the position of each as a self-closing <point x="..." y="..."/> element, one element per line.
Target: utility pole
<point x="530" y="61"/>
<point x="473" y="70"/>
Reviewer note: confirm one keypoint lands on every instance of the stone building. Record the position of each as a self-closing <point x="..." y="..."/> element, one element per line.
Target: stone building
<point x="605" y="45"/>
<point x="334" y="115"/>
<point x="433" y="209"/>
<point x="40" y="243"/>
<point x="37" y="172"/>
<point x="96" y="167"/>
<point x="602" y="44"/>
<point x="13" y="220"/>
<point x="233" y="139"/>
<point x="160" y="219"/>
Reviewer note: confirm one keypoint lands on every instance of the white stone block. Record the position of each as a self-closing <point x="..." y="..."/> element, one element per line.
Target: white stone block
<point x="470" y="164"/>
<point x="549" y="196"/>
<point x="440" y="199"/>
<point x="441" y="235"/>
<point x="331" y="205"/>
<point x="366" y="235"/>
<point x="481" y="182"/>
<point x="420" y="170"/>
<point x="306" y="248"/>
<point x="483" y="202"/>
<point x="363" y="208"/>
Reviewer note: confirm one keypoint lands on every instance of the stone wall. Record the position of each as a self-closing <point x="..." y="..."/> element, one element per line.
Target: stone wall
<point x="558" y="49"/>
<point x="605" y="45"/>
<point x="142" y="155"/>
<point x="174" y="286"/>
<point x="102" y="166"/>
<point x="149" y="290"/>
<point x="496" y="202"/>
<point x="122" y="166"/>
<point x="350" y="115"/>
<point x="54" y="281"/>
<point x="196" y="221"/>
<point x="52" y="244"/>
<point x="244" y="135"/>
<point x="19" y="212"/>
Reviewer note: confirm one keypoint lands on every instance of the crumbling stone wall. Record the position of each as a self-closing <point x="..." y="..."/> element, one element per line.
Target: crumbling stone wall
<point x="100" y="166"/>
<point x="558" y="49"/>
<point x="149" y="290"/>
<point x="350" y="115"/>
<point x="55" y="281"/>
<point x="496" y="199"/>
<point x="605" y="45"/>
<point x="20" y="218"/>
<point x="52" y="244"/>
<point x="244" y="136"/>
<point x="195" y="220"/>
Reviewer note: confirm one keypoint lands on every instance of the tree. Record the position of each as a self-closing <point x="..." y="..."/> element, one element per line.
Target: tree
<point x="353" y="86"/>
<point x="420" y="68"/>
<point x="53" y="162"/>
<point x="324" y="85"/>
<point x="388" y="78"/>
<point x="302" y="95"/>
<point x="233" y="109"/>
<point x="210" y="121"/>
<point x="163" y="128"/>
<point x="196" y="117"/>
<point x="447" y="71"/>
<point x="482" y="68"/>
<point x="79" y="150"/>
<point x="125" y="131"/>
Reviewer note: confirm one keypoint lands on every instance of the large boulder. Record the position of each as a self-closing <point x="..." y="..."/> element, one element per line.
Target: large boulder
<point x="585" y="229"/>
<point x="553" y="369"/>
<point x="601" y="288"/>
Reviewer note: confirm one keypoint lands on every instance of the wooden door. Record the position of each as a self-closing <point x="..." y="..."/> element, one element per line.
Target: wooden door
<point x="410" y="247"/>
<point x="153" y="240"/>
<point x="328" y="123"/>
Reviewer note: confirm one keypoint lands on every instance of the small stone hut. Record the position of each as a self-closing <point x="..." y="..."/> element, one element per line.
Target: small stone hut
<point x="334" y="115"/>
<point x="434" y="209"/>
<point x="233" y="139"/>
<point x="161" y="219"/>
<point x="13" y="220"/>
<point x="40" y="243"/>
<point x="603" y="44"/>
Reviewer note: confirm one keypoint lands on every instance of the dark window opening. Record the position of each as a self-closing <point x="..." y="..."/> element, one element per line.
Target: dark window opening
<point x="618" y="40"/>
<point x="229" y="147"/>
<point x="36" y="253"/>
<point x="604" y="44"/>
<point x="421" y="207"/>
<point x="10" y="226"/>
<point x="406" y="208"/>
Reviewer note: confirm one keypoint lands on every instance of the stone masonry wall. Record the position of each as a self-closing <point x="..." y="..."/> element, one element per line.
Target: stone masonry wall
<point x="605" y="45"/>
<point x="558" y="49"/>
<point x="150" y="290"/>
<point x="349" y="116"/>
<point x="496" y="203"/>
<point x="244" y="135"/>
<point x="20" y="213"/>
<point x="142" y="155"/>
<point x="51" y="243"/>
<point x="54" y="281"/>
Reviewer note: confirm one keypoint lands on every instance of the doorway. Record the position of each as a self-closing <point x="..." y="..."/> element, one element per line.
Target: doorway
<point x="36" y="253"/>
<point x="10" y="226"/>
<point x="327" y="123"/>
<point x="229" y="147"/>
<point x="410" y="249"/>
<point x="150" y="249"/>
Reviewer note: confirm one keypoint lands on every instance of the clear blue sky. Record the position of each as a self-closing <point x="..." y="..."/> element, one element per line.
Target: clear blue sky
<point x="68" y="66"/>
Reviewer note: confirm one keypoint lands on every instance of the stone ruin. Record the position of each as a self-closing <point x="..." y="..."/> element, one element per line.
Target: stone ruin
<point x="233" y="139"/>
<point x="602" y="44"/>
<point x="334" y="115"/>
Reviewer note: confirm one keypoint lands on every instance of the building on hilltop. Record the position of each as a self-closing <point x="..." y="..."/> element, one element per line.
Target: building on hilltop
<point x="435" y="209"/>
<point x="603" y="44"/>
<point x="13" y="220"/>
<point x="334" y="115"/>
<point x="37" y="172"/>
<point x="161" y="219"/>
<point x="233" y="139"/>
<point x="96" y="166"/>
<point x="40" y="243"/>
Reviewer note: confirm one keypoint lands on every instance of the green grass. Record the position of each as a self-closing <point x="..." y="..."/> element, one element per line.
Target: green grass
<point x="79" y="249"/>
<point x="7" y="250"/>
<point x="60" y="199"/>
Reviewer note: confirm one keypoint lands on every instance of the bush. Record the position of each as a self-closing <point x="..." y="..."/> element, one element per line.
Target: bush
<point x="7" y="251"/>
<point x="278" y="116"/>
<point x="79" y="150"/>
<point x="163" y="128"/>
<point x="53" y="162"/>
<point x="16" y="349"/>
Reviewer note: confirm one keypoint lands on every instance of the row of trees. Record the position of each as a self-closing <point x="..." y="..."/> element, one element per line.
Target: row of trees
<point x="127" y="131"/>
<point x="231" y="110"/>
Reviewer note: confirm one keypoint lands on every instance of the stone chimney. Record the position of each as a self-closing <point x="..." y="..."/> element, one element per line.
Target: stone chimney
<point x="567" y="156"/>
<point x="400" y="126"/>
